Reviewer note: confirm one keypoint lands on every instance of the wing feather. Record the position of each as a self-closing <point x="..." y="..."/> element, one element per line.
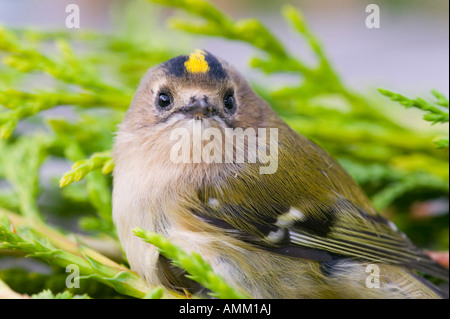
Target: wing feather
<point x="353" y="234"/>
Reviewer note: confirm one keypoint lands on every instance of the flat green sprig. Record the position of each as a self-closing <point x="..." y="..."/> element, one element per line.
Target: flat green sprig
<point x="198" y="269"/>
<point x="435" y="112"/>
<point x="81" y="168"/>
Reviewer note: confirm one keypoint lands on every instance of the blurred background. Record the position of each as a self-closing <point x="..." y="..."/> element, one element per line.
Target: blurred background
<point x="408" y="54"/>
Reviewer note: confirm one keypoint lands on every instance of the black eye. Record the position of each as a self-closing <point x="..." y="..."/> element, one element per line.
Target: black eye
<point x="228" y="102"/>
<point x="163" y="100"/>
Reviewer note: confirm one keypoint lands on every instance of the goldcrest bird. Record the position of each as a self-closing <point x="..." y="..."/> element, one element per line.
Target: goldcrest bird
<point x="302" y="229"/>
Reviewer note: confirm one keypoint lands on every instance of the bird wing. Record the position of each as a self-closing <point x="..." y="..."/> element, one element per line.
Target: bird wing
<point x="315" y="211"/>
<point x="345" y="231"/>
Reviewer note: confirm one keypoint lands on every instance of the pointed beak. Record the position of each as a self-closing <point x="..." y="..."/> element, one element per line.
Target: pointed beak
<point x="198" y="107"/>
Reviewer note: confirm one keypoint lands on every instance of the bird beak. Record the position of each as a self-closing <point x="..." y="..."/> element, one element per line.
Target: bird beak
<point x="198" y="107"/>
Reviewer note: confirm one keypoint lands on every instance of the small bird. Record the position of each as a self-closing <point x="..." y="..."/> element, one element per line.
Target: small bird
<point x="302" y="228"/>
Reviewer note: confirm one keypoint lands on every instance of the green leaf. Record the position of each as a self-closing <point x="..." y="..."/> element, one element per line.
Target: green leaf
<point x="47" y="294"/>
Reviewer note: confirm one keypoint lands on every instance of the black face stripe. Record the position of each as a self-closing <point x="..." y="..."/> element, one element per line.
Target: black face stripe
<point x="177" y="67"/>
<point x="215" y="67"/>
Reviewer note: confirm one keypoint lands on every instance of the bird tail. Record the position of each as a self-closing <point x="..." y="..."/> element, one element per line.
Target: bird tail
<point x="412" y="285"/>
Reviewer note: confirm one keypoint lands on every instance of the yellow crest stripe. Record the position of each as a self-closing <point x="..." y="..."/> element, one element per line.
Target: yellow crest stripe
<point x="197" y="62"/>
